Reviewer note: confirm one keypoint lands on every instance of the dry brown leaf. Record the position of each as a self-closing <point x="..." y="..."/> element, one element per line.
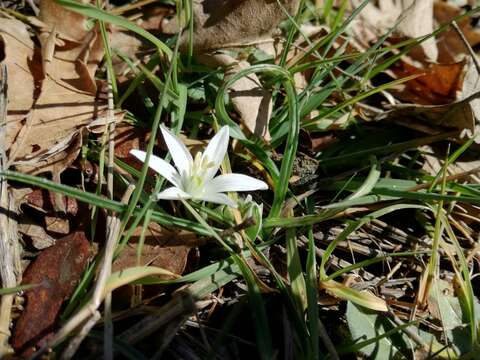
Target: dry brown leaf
<point x="162" y="248"/>
<point x="222" y="23"/>
<point x="44" y="122"/>
<point x="433" y="104"/>
<point x="451" y="47"/>
<point x="126" y="44"/>
<point x="68" y="24"/>
<point x="57" y="271"/>
<point x="438" y="83"/>
<point x="457" y="115"/>
<point x="252" y="102"/>
<point x="471" y="86"/>
<point x="57" y="225"/>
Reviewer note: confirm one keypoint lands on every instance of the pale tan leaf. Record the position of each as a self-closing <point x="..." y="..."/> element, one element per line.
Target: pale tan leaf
<point x="68" y="24"/>
<point x="471" y="86"/>
<point x="45" y="122"/>
<point x="417" y="20"/>
<point x="252" y="102"/>
<point x="40" y="239"/>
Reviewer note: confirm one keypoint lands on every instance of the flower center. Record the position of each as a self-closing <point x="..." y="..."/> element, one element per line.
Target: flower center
<point x="195" y="180"/>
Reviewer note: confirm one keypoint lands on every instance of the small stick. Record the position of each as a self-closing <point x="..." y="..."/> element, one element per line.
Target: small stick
<point x="75" y="343"/>
<point x="411" y="334"/>
<point x="7" y="269"/>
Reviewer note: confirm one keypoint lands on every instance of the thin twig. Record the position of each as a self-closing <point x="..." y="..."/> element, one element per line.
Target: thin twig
<point x="408" y="330"/>
<point x="7" y="269"/>
<point x="75" y="343"/>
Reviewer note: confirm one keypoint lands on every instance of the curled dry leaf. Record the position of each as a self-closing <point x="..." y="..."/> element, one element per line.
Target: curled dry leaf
<point x="57" y="271"/>
<point x="162" y="248"/>
<point x="252" y="102"/>
<point x="436" y="107"/>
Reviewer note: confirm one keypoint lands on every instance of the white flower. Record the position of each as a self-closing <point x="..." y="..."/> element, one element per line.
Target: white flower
<point x="194" y="178"/>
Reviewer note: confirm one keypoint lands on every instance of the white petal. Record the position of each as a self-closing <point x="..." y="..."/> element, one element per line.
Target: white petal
<point x="173" y="193"/>
<point x="235" y="182"/>
<point x="180" y="154"/>
<point x="160" y="166"/>
<point x="216" y="150"/>
<point x="217" y="198"/>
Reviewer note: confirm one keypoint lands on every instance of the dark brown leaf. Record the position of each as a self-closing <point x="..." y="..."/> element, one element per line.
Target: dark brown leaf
<point x="57" y="269"/>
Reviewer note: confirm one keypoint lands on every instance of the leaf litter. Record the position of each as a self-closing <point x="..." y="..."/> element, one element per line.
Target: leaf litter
<point x="381" y="163"/>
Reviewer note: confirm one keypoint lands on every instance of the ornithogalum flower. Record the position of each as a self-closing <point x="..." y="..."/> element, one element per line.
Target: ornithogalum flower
<point x="194" y="178"/>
